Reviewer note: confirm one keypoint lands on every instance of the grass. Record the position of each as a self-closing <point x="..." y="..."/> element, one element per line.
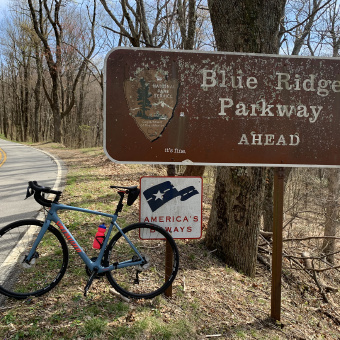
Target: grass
<point x="209" y="298"/>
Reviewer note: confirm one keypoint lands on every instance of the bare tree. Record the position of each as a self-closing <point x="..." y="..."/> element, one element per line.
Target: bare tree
<point x="301" y="32"/>
<point x="17" y="50"/>
<point x="187" y="22"/>
<point x="51" y="11"/>
<point x="300" y="26"/>
<point x="143" y="24"/>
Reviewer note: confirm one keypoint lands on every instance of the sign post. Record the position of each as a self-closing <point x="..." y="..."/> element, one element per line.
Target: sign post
<point x="277" y="244"/>
<point x="171" y="171"/>
<point x="168" y="266"/>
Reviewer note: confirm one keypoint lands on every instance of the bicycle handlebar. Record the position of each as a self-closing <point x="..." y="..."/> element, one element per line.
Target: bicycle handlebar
<point x="39" y="191"/>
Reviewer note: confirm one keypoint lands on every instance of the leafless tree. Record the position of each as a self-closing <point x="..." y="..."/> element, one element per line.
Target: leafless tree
<point x="52" y="39"/>
<point x="142" y="23"/>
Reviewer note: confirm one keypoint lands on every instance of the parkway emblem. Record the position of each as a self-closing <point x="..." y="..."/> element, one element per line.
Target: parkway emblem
<point x="151" y="98"/>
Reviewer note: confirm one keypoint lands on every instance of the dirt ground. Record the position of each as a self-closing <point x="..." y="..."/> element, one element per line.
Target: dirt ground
<point x="211" y="299"/>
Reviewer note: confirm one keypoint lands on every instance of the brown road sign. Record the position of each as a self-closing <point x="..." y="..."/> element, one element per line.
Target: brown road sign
<point x="167" y="106"/>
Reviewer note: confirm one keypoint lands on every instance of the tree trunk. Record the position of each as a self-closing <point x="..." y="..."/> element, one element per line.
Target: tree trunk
<point x="241" y="26"/>
<point x="268" y="207"/>
<point x="37" y="96"/>
<point x="234" y="220"/>
<point x="328" y="247"/>
<point x="194" y="170"/>
<point x="56" y="112"/>
<point x="246" y="25"/>
<point x="4" y="107"/>
<point x="171" y="170"/>
<point x="26" y="97"/>
<point x="79" y="110"/>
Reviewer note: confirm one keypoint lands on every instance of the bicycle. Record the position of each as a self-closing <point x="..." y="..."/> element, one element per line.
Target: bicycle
<point x="133" y="265"/>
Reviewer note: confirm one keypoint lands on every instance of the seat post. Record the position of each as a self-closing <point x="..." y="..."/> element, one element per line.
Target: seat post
<point x="120" y="203"/>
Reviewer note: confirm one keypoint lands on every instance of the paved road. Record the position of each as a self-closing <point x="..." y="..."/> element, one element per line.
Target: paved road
<point x="23" y="164"/>
<point x="18" y="165"/>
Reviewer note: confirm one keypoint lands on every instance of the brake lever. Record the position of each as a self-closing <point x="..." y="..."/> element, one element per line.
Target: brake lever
<point x="29" y="192"/>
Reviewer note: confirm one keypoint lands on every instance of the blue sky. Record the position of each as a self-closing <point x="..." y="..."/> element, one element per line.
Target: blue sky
<point x="4" y="5"/>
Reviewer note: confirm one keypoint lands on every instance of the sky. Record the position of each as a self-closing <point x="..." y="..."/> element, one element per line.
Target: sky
<point x="3" y="6"/>
<point x="3" y="3"/>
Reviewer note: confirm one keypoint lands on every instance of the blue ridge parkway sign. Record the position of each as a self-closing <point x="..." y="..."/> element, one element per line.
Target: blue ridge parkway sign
<point x="190" y="107"/>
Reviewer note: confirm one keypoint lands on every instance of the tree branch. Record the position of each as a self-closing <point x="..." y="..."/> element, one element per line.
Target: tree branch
<point x="312" y="14"/>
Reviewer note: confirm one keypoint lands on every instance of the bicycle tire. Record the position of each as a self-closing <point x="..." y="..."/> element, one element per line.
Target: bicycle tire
<point x="151" y="276"/>
<point x="19" y="280"/>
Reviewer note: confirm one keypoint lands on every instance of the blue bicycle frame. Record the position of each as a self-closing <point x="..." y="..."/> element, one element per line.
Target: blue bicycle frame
<point x="53" y="216"/>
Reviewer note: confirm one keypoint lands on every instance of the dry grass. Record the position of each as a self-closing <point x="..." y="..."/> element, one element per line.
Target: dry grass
<point x="209" y="299"/>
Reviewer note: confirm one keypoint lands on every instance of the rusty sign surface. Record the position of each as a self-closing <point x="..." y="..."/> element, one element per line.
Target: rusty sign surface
<point x="190" y="107"/>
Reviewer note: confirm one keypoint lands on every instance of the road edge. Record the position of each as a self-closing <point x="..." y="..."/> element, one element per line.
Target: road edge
<point x="60" y="181"/>
<point x="59" y="184"/>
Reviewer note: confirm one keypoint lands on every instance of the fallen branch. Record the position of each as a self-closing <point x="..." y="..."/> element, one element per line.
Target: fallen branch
<point x="310" y="238"/>
<point x="325" y="269"/>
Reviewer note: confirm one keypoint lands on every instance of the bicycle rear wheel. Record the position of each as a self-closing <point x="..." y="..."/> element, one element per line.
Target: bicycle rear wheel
<point x="21" y="280"/>
<point x="148" y="280"/>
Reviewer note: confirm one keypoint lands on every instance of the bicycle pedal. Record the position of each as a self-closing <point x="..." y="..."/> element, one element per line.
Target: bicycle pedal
<point x="136" y="280"/>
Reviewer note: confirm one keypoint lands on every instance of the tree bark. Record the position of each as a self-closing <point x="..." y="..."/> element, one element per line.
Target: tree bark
<point x="79" y="110"/>
<point x="331" y="224"/>
<point x="26" y="95"/>
<point x="37" y="96"/>
<point x="233" y="228"/>
<point x="247" y="25"/>
<point x="4" y="106"/>
<point x="194" y="170"/>
<point x="268" y="206"/>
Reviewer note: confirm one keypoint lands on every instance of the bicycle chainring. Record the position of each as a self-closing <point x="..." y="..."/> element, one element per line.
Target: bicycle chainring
<point x="88" y="272"/>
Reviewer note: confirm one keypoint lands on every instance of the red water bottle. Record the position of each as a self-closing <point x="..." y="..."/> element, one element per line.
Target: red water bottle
<point x="99" y="238"/>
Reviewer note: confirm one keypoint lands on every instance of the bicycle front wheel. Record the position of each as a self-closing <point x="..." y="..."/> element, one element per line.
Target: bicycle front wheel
<point x="21" y="280"/>
<point x="154" y="276"/>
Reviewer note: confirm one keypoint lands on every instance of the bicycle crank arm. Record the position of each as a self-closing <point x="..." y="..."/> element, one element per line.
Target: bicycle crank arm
<point x="89" y="282"/>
